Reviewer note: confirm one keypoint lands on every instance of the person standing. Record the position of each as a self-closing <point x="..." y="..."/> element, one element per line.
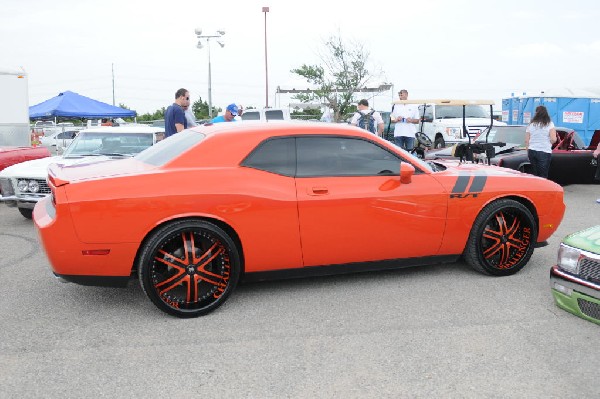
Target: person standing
<point x="596" y="155"/>
<point x="367" y="119"/>
<point x="175" y="120"/>
<point x="406" y="117"/>
<point x="189" y="116"/>
<point x="539" y="137"/>
<point x="229" y="116"/>
<point x="240" y="112"/>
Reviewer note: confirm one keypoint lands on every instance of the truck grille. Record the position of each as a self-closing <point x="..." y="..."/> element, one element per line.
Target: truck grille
<point x="589" y="309"/>
<point x="44" y="189"/>
<point x="589" y="269"/>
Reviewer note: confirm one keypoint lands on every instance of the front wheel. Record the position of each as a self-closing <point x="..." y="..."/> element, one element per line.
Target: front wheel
<point x="439" y="143"/>
<point x="188" y="268"/>
<point x="501" y="239"/>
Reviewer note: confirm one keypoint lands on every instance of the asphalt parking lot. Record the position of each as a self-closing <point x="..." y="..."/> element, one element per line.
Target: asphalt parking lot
<point x="440" y="331"/>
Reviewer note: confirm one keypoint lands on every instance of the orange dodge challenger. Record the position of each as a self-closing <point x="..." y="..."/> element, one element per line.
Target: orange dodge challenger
<point x="197" y="212"/>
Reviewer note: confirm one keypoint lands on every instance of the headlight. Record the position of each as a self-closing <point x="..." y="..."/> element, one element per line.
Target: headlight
<point x="568" y="259"/>
<point x="455" y="132"/>
<point x="23" y="185"/>
<point x="33" y="186"/>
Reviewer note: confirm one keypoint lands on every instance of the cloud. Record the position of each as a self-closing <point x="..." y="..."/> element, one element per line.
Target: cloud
<point x="533" y="50"/>
<point x="592" y="49"/>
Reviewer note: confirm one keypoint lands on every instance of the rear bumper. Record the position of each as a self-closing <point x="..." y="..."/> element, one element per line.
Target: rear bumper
<point x="104" y="264"/>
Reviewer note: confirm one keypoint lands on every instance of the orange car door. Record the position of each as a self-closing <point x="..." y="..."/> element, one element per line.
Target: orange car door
<point x="352" y="207"/>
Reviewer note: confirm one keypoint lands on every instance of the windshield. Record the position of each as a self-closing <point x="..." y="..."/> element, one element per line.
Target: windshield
<point x="170" y="148"/>
<point x="90" y="144"/>
<point x="425" y="165"/>
<point x="504" y="134"/>
<point x="456" y="111"/>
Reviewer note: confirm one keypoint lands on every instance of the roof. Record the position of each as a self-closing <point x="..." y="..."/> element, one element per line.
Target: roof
<point x="70" y="104"/>
<point x="445" y="102"/>
<point x="132" y="128"/>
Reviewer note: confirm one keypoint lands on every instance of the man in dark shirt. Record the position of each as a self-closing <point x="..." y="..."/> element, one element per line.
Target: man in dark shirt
<point x="175" y="120"/>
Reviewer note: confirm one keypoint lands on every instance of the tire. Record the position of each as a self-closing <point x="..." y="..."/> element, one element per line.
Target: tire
<point x="501" y="239"/>
<point x="188" y="268"/>
<point x="439" y="143"/>
<point x="27" y="213"/>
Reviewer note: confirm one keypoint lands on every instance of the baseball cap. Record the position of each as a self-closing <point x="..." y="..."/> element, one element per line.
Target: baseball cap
<point x="233" y="109"/>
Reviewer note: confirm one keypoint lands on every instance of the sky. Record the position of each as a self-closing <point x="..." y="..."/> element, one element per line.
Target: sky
<point x="459" y="49"/>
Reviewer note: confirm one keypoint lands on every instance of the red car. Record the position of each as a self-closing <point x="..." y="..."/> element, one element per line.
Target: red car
<point x="196" y="212"/>
<point x="13" y="155"/>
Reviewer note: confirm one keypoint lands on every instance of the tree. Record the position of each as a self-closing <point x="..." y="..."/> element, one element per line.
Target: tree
<point x="342" y="73"/>
<point x="200" y="109"/>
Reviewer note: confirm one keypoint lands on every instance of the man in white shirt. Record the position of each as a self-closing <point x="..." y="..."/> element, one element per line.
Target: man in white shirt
<point x="406" y="117"/>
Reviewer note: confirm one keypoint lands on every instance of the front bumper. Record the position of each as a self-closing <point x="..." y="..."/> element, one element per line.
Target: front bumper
<point x="21" y="202"/>
<point x="577" y="296"/>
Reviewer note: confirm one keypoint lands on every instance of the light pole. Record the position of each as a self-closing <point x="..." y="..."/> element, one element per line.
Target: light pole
<point x="266" y="10"/>
<point x="217" y="36"/>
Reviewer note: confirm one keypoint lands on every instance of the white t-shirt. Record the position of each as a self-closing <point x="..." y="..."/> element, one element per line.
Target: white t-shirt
<point x="405" y="111"/>
<point x="376" y="116"/>
<point x="189" y="116"/>
<point x="539" y="137"/>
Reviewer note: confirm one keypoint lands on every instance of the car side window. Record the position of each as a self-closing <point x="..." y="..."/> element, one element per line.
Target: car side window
<point x="273" y="115"/>
<point x="276" y="155"/>
<point x="343" y="156"/>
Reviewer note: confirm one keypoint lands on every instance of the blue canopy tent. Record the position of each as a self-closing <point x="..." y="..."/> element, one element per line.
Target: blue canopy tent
<point x="73" y="105"/>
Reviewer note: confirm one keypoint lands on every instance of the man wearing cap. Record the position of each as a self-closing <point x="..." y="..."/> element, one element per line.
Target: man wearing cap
<point x="230" y="113"/>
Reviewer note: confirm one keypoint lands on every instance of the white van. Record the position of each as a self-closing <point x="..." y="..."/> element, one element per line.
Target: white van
<point x="267" y="114"/>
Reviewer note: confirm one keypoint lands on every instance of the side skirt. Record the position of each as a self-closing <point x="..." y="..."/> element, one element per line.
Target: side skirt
<point x="315" y="271"/>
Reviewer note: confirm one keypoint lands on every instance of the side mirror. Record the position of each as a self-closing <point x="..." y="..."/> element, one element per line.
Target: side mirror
<point x="427" y="119"/>
<point x="406" y="172"/>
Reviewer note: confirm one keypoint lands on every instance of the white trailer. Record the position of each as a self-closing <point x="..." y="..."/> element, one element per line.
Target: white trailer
<point x="14" y="108"/>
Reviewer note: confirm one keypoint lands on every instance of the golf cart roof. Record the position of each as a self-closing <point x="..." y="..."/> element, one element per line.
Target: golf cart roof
<point x="446" y="102"/>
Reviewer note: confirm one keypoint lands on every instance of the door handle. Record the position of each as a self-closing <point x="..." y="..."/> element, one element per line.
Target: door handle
<point x="318" y="191"/>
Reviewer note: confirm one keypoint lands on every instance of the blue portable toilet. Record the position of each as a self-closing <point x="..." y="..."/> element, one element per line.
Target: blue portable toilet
<point x="577" y="110"/>
<point x="511" y="110"/>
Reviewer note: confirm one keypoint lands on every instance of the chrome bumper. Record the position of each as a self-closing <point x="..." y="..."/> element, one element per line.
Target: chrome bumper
<point x="574" y="283"/>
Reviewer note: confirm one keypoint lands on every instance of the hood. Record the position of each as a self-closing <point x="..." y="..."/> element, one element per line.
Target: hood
<point x="447" y="152"/>
<point x="588" y="240"/>
<point x="38" y="168"/>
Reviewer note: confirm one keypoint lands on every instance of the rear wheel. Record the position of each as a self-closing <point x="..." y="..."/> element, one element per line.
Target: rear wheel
<point x="188" y="268"/>
<point x="28" y="213"/>
<point x="501" y="239"/>
<point x="439" y="142"/>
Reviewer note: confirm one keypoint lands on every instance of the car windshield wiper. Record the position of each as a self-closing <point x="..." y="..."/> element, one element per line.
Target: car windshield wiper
<point x="114" y="154"/>
<point x="81" y="155"/>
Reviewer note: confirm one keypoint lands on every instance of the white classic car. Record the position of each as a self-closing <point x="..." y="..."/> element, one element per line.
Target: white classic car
<point x="24" y="184"/>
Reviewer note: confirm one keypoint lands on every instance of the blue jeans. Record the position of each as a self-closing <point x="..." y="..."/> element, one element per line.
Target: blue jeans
<point x="408" y="143"/>
<point x="540" y="162"/>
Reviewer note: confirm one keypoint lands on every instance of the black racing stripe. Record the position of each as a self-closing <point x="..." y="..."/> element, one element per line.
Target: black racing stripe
<point x="478" y="184"/>
<point x="461" y="184"/>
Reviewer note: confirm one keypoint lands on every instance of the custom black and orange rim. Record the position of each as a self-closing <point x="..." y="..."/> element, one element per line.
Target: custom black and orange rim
<point x="506" y="239"/>
<point x="191" y="270"/>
